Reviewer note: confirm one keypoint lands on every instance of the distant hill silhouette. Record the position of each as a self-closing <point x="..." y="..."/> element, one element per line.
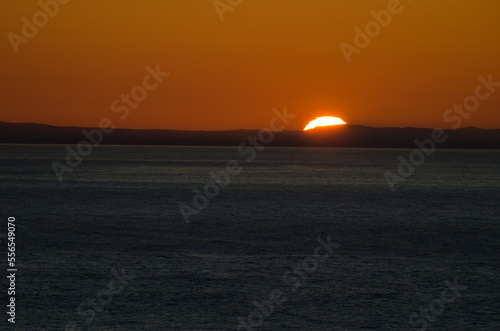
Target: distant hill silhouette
<point x="336" y="136"/>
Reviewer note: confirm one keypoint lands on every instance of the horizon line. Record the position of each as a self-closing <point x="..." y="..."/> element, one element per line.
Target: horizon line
<point x="225" y="130"/>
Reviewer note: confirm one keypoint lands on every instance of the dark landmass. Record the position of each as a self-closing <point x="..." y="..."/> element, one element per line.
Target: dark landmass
<point x="337" y="136"/>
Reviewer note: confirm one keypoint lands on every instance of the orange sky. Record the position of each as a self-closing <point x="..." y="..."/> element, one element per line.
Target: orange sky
<point x="265" y="54"/>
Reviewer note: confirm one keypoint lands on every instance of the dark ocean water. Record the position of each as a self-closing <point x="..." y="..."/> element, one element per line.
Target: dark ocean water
<point x="394" y="253"/>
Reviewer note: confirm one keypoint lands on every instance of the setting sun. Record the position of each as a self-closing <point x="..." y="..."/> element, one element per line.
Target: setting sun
<point x="324" y="121"/>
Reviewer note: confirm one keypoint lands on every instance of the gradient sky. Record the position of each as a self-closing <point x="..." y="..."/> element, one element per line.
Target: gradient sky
<point x="265" y="54"/>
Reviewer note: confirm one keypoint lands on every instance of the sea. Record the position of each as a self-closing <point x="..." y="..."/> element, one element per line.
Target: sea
<point x="210" y="238"/>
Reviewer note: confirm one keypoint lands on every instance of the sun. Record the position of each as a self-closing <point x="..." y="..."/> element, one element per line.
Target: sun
<point x="324" y="121"/>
